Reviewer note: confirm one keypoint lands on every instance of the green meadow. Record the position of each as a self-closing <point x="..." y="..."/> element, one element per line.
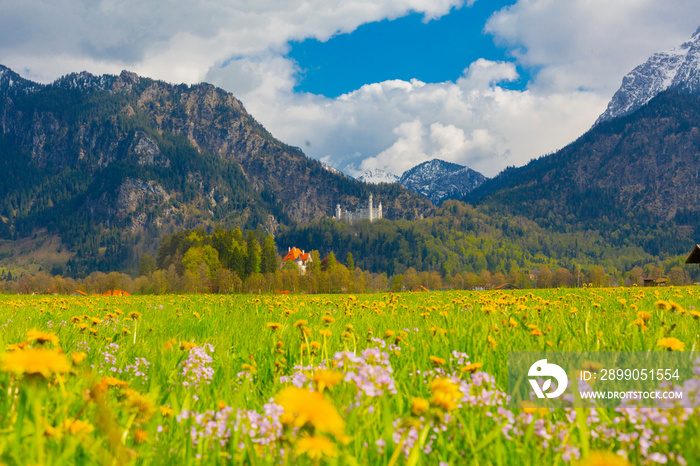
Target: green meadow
<point x="407" y="378"/>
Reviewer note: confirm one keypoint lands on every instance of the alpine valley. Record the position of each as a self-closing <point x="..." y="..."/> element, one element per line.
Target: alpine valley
<point x="97" y="169"/>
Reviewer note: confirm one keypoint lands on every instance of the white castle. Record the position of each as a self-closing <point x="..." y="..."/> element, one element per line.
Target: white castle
<point x="370" y="213"/>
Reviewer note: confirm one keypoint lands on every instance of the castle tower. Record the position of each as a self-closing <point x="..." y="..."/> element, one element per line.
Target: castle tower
<point x="379" y="211"/>
<point x="371" y="213"/>
<point x="337" y="212"/>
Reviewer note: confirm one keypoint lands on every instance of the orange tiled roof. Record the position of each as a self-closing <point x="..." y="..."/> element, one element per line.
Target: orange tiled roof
<point x="294" y="254"/>
<point x="116" y="293"/>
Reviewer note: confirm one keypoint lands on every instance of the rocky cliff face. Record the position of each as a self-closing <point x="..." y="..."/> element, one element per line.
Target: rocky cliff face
<point x="641" y="167"/>
<point x="678" y="68"/>
<point x="142" y="156"/>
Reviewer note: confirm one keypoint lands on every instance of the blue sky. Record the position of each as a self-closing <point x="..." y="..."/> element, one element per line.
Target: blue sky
<point x="404" y="48"/>
<point x="367" y="84"/>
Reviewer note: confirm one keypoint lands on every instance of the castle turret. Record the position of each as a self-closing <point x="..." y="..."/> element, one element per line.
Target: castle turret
<point x="370" y="210"/>
<point x="337" y="212"/>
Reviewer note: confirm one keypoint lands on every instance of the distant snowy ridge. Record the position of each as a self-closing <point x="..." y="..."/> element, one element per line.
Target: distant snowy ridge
<point x="377" y="176"/>
<point x="439" y="180"/>
<point x="435" y="179"/>
<point x="12" y="84"/>
<point x="678" y="68"/>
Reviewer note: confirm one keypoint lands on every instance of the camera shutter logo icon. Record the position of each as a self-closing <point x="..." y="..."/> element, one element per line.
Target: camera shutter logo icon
<point x="542" y="369"/>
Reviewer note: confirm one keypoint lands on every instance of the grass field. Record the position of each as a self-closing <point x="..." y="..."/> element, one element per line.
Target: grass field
<point x="415" y="378"/>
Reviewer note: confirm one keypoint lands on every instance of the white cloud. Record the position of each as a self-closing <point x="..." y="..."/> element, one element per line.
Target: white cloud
<point x="177" y="40"/>
<point x="591" y="44"/>
<point x="580" y="48"/>
<point x="395" y="125"/>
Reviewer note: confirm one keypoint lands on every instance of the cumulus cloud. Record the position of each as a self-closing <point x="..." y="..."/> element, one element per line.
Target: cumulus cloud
<point x="590" y="44"/>
<point x="396" y="124"/>
<point x="577" y="52"/>
<point x="177" y="40"/>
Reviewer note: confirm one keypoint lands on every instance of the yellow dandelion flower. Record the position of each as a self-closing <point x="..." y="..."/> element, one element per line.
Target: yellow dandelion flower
<point x="573" y="311"/>
<point x="95" y="320"/>
<point x="126" y="331"/>
<point x="536" y="333"/>
<point x="140" y="436"/>
<point x="302" y="407"/>
<point x="662" y="305"/>
<point x="695" y="314"/>
<point x="512" y="323"/>
<point x="77" y="427"/>
<point x="166" y="411"/>
<point x="324" y="332"/>
<point x="419" y="405"/>
<point x="388" y="334"/>
<point x="327" y="379"/>
<point x="671" y="344"/>
<point x="446" y="394"/>
<point x="640" y="323"/>
<point x="109" y="381"/>
<point x="592" y="366"/>
<point x="135" y="315"/>
<point x="437" y="361"/>
<point x="473" y="367"/>
<point x="274" y="326"/>
<point x="328" y="319"/>
<point x="249" y="368"/>
<point x="78" y="357"/>
<point x="528" y="407"/>
<point x="315" y="447"/>
<point x="187" y="345"/>
<point x="17" y="346"/>
<point x="42" y="337"/>
<point x="645" y="316"/>
<point x="491" y="341"/>
<point x="604" y="458"/>
<point x="35" y="361"/>
<point x="139" y="404"/>
<point x="676" y="307"/>
<point x="301" y="323"/>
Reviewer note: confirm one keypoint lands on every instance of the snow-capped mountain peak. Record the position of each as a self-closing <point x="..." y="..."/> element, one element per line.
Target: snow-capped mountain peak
<point x="439" y="180"/>
<point x="678" y="68"/>
<point x="377" y="175"/>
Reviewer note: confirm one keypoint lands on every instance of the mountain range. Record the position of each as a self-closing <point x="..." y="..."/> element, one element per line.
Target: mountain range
<point x="98" y="168"/>
<point x="111" y="163"/>
<point x="435" y="179"/>
<point x="678" y="69"/>
<point x="636" y="170"/>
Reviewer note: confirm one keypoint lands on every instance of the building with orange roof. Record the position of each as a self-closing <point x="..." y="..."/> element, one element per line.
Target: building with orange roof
<point x="299" y="257"/>
<point x="116" y="293"/>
